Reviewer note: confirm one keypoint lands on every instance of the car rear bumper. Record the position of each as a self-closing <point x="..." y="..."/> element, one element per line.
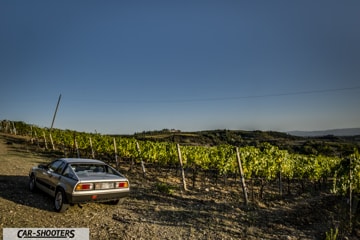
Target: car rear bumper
<point x="84" y="198"/>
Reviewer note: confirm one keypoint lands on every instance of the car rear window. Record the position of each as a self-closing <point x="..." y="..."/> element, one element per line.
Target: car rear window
<point x="78" y="168"/>
<point x="81" y="169"/>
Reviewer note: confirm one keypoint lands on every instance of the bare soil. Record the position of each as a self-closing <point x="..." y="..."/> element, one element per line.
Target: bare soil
<point x="207" y="211"/>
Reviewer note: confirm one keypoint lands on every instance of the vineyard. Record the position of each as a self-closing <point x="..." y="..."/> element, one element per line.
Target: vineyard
<point x="255" y="167"/>
<point x="266" y="163"/>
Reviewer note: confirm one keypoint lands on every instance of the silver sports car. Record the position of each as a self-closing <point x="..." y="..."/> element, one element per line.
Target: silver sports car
<point x="76" y="180"/>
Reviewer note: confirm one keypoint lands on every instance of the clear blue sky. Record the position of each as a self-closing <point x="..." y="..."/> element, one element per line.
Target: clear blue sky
<point x="132" y="66"/>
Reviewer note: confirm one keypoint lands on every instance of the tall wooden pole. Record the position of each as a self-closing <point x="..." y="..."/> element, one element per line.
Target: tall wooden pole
<point x="57" y="106"/>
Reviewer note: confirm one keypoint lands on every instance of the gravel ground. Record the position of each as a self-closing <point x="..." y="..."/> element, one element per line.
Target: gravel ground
<point x="206" y="212"/>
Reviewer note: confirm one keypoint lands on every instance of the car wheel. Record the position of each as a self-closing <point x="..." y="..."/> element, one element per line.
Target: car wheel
<point x="60" y="202"/>
<point x="32" y="183"/>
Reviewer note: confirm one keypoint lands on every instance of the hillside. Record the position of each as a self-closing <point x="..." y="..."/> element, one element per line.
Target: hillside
<point x="329" y="145"/>
<point x="336" y="132"/>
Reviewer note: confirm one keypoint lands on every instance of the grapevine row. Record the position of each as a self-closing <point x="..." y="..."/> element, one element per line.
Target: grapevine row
<point x="265" y="162"/>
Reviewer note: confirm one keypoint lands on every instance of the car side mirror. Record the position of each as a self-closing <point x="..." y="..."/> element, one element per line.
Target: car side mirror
<point x="42" y="166"/>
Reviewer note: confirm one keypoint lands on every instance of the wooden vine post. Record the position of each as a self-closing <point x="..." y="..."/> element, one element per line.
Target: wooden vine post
<point x="64" y="148"/>
<point x="116" y="156"/>
<point x="32" y="137"/>
<point x="37" y="140"/>
<point x="77" y="148"/>
<point x="242" y="178"/>
<point x="46" y="147"/>
<point x="142" y="162"/>
<point x="14" y="128"/>
<point x="280" y="180"/>
<point x="350" y="194"/>
<point x="7" y="127"/>
<point x="181" y="166"/>
<point x="92" y="149"/>
<point x="52" y="142"/>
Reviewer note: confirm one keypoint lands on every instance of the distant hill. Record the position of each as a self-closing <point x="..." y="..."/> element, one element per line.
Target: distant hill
<point x="328" y="143"/>
<point x="334" y="132"/>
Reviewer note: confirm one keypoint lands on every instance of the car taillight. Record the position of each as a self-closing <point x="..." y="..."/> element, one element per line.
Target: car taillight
<point x="84" y="186"/>
<point x="122" y="184"/>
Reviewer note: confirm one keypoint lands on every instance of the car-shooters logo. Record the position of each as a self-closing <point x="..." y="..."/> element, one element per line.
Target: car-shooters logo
<point x="56" y="233"/>
<point x="46" y="233"/>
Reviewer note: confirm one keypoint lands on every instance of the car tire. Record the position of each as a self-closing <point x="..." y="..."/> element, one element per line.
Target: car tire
<point x="32" y="183"/>
<point x="60" y="202"/>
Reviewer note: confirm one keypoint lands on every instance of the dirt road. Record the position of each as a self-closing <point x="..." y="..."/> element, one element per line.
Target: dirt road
<point x="204" y="213"/>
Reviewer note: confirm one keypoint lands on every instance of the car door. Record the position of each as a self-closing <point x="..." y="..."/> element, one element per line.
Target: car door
<point x="49" y="175"/>
<point x="56" y="175"/>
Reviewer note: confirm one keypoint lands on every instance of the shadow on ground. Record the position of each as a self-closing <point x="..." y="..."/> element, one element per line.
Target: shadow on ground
<point x="15" y="189"/>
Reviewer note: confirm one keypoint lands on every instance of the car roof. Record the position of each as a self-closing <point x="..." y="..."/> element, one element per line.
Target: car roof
<point x="81" y="160"/>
